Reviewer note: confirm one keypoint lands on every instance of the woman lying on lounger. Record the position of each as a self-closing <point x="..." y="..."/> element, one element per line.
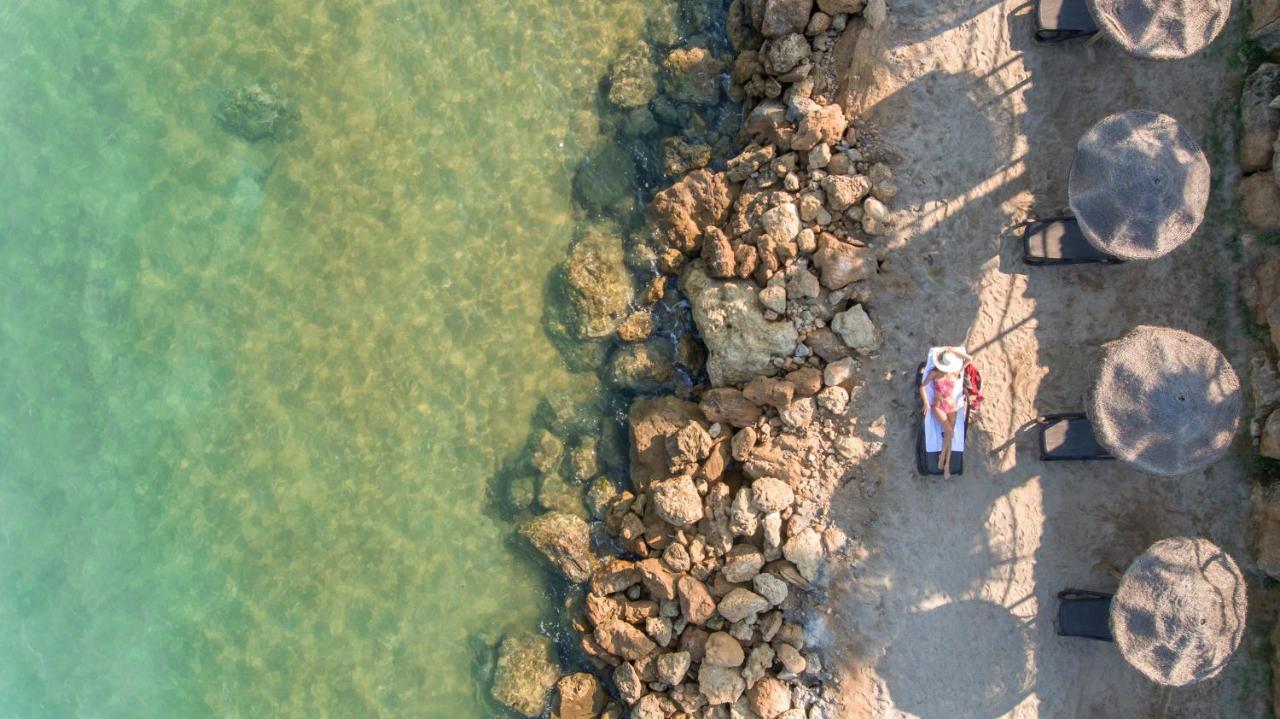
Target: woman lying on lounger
<point x="948" y="391"/>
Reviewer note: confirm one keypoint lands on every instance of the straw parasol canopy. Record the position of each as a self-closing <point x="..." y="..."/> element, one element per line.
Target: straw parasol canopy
<point x="1164" y="401"/>
<point x="1161" y="29"/>
<point x="1179" y="613"/>
<point x="1139" y="185"/>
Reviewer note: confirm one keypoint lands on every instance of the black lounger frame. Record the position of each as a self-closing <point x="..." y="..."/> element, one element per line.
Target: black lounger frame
<point x="1080" y="595"/>
<point x="1044" y="450"/>
<point x="1029" y="229"/>
<point x="1052" y="35"/>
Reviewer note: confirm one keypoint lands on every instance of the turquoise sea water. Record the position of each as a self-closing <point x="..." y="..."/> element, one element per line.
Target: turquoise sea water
<point x="251" y="394"/>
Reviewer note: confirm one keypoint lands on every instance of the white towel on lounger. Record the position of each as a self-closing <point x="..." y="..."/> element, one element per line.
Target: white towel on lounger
<point x="932" y="427"/>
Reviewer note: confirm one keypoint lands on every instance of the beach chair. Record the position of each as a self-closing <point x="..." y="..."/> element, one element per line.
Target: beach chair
<point x="1059" y="241"/>
<point x="1060" y="20"/>
<point x="1068" y="436"/>
<point x="1084" y="614"/>
<point x="929" y="431"/>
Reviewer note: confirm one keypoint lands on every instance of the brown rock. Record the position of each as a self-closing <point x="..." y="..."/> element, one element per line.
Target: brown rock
<point x="806" y="380"/>
<point x="565" y="540"/>
<point x="614" y="575"/>
<point x="659" y="582"/>
<point x="627" y="679"/>
<point x="1261" y="199"/>
<point x="764" y="122"/>
<point x="723" y="650"/>
<point x="769" y="697"/>
<point x="746" y="259"/>
<point x="845" y="191"/>
<point x="623" y="640"/>
<point x="729" y="406"/>
<point x="769" y="391"/>
<point x="694" y="641"/>
<point x="580" y="697"/>
<point x="696" y="603"/>
<point x="677" y="501"/>
<point x="653" y="706"/>
<point x="688" y="445"/>
<point x="827" y="345"/>
<point x="739" y="604"/>
<point x="673" y="666"/>
<point x="772" y="495"/>
<point x="680" y="212"/>
<point x="785" y="16"/>
<point x="600" y="609"/>
<point x="717" y="253"/>
<point x="743" y="443"/>
<point x="818" y="124"/>
<point x="1259" y="123"/>
<point x="637" y="327"/>
<point x="713" y="468"/>
<point x="720" y="685"/>
<point x="652" y="420"/>
<point x="840" y="263"/>
<point x="742" y="563"/>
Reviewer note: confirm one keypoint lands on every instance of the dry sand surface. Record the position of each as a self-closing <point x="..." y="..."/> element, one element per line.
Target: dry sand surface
<point x="950" y="613"/>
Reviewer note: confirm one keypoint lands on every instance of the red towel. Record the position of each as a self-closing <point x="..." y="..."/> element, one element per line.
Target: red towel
<point x="973" y="386"/>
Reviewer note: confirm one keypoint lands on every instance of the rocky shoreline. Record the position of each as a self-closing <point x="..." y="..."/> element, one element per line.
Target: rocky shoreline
<point x="728" y="320"/>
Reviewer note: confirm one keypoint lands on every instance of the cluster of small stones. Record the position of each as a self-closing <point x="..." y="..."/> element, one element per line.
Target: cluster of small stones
<point x="697" y="608"/>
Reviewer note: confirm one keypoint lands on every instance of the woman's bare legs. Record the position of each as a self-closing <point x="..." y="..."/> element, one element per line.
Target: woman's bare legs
<point x="948" y="421"/>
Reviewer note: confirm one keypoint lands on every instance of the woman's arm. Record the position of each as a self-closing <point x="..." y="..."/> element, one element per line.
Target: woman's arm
<point x="924" y="398"/>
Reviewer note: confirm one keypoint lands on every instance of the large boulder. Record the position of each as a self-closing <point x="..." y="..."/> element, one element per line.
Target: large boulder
<point x="633" y="78"/>
<point x="623" y="640"/>
<point x="1259" y="122"/>
<point x="742" y="342"/>
<point x="692" y="75"/>
<point x="680" y="212"/>
<point x="526" y="671"/>
<point x="1261" y="199"/>
<point x="785" y="16"/>
<point x="729" y="406"/>
<point x="597" y="283"/>
<point x="652" y="420"/>
<point x="565" y="540"/>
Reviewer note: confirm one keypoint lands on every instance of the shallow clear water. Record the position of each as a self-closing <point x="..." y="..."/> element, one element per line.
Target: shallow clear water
<point x="251" y="394"/>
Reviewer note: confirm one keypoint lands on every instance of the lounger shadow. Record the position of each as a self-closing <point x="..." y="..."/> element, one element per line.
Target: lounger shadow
<point x="1059" y="241"/>
<point x="1060" y="20"/>
<point x="1068" y="436"/>
<point x="927" y="463"/>
<point x="1084" y="614"/>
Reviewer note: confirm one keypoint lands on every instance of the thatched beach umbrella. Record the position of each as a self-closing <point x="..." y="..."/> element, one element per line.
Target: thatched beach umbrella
<point x="1179" y="613"/>
<point x="1161" y="29"/>
<point x="1139" y="185"/>
<point x="1164" y="401"/>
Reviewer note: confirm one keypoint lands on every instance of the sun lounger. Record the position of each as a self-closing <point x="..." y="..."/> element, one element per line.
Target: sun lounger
<point x="1084" y="614"/>
<point x="1059" y="20"/>
<point x="929" y="434"/>
<point x="1059" y="241"/>
<point x="1068" y="436"/>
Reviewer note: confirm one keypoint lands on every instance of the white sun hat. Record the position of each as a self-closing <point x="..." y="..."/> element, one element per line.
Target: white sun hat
<point x="948" y="362"/>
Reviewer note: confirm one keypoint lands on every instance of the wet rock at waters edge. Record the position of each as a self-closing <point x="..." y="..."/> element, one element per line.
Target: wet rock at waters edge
<point x="692" y="75"/>
<point x="651" y="421"/>
<point x="856" y="330"/>
<point x="598" y="285"/>
<point x="1259" y="121"/>
<point x="606" y="180"/>
<point x="741" y="341"/>
<point x="633" y="78"/>
<point x="584" y="459"/>
<point x="637" y="327"/>
<point x="258" y="111"/>
<point x="565" y="540"/>
<point x="580" y="696"/>
<point x="642" y="368"/>
<point x="679" y="156"/>
<point x="526" y="671"/>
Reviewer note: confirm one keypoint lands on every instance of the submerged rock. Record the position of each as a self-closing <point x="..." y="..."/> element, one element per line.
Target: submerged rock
<point x="566" y="542"/>
<point x="693" y="76"/>
<point x="597" y="282"/>
<point x="633" y="78"/>
<point x="526" y="672"/>
<point x="606" y="181"/>
<point x="642" y="368"/>
<point x="258" y="111"/>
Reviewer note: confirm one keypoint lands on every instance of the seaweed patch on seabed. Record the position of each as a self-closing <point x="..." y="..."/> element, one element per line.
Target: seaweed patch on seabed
<point x="682" y="494"/>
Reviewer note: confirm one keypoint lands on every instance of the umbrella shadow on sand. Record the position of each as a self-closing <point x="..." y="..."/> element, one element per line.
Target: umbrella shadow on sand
<point x="965" y="659"/>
